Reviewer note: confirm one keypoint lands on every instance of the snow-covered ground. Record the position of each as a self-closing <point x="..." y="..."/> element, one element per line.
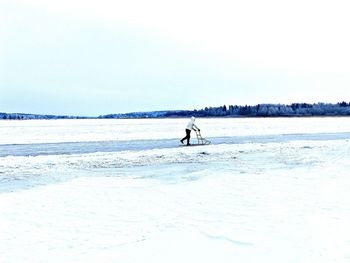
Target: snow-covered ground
<point x="266" y="190"/>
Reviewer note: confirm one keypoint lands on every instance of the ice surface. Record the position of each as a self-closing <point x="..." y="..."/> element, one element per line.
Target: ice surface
<point x="277" y="196"/>
<point x="53" y="131"/>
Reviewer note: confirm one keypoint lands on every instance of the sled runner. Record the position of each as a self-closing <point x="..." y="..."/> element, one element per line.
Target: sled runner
<point x="201" y="140"/>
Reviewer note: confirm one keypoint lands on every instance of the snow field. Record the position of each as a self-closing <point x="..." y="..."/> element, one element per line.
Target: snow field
<point x="280" y="201"/>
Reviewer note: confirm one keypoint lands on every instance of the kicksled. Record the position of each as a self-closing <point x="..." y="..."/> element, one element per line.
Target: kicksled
<point x="200" y="140"/>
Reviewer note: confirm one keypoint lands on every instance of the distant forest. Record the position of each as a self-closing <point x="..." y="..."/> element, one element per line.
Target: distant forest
<point x="26" y="116"/>
<point x="274" y="110"/>
<point x="260" y="110"/>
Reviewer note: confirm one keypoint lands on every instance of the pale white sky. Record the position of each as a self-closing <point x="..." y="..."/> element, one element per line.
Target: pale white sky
<point x="98" y="57"/>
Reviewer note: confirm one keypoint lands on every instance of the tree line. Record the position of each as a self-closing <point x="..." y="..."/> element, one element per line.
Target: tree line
<point x="260" y="110"/>
<point x="277" y="110"/>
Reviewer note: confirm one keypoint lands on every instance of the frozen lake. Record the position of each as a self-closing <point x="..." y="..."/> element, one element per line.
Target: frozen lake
<point x="266" y="190"/>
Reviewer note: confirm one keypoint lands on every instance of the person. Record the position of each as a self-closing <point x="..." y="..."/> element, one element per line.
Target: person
<point x="189" y="128"/>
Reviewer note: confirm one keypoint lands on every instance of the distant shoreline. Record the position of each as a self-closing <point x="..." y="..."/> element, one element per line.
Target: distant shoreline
<point x="229" y="117"/>
<point x="294" y="110"/>
<point x="206" y="117"/>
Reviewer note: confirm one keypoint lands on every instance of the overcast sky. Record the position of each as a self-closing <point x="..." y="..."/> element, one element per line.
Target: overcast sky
<point x="108" y="56"/>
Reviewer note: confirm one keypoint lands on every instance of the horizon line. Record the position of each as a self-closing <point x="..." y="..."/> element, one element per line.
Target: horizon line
<point x="178" y="110"/>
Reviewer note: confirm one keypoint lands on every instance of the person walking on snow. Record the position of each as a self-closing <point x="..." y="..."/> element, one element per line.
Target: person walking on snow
<point x="189" y="127"/>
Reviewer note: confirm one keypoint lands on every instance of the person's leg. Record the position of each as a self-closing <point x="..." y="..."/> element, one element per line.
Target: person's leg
<point x="184" y="138"/>
<point x="188" y="136"/>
